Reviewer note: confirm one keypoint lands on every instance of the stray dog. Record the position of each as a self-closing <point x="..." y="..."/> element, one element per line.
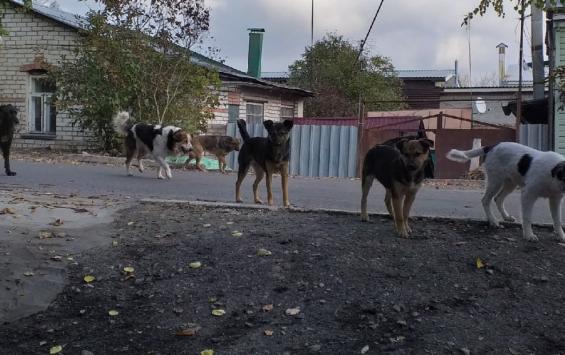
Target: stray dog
<point x="8" y="122"/>
<point x="220" y="146"/>
<point x="400" y="170"/>
<point x="429" y="165"/>
<point x="142" y="139"/>
<point x="266" y="155"/>
<point x="508" y="165"/>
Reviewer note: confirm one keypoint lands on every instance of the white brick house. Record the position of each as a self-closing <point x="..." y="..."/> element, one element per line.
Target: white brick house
<point x="42" y="36"/>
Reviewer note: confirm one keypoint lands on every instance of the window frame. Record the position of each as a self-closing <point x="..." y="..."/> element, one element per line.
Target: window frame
<point x="48" y="111"/>
<point x="254" y="118"/>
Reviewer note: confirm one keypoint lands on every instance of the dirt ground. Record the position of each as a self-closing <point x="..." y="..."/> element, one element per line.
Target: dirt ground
<point x="331" y="285"/>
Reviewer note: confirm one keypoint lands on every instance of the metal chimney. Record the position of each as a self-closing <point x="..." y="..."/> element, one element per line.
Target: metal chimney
<point x="255" y="52"/>
<point x="501" y="63"/>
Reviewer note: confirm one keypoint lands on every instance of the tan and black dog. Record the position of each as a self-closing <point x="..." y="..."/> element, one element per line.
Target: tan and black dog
<point x="220" y="146"/>
<point x="400" y="169"/>
<point x="267" y="156"/>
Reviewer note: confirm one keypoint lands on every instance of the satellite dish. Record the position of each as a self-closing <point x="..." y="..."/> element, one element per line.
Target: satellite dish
<point x="480" y="105"/>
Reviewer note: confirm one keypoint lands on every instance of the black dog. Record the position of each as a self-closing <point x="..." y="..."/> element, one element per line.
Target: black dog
<point x="8" y="122"/>
<point x="401" y="171"/>
<point x="266" y="155"/>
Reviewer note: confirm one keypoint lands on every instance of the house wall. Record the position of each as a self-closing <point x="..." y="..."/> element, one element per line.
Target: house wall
<point x="493" y="100"/>
<point x="236" y="94"/>
<point x="33" y="38"/>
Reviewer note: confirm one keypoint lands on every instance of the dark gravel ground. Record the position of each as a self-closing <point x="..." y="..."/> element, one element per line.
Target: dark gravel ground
<point x="357" y="286"/>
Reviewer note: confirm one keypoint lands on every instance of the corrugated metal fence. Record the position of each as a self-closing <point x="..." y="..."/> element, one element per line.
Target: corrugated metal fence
<point x="316" y="150"/>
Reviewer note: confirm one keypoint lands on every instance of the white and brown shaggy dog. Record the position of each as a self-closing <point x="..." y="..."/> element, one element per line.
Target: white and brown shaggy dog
<point x="146" y="139"/>
<point x="508" y="165"/>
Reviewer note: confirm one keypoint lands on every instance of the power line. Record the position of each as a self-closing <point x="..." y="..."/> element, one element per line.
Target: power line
<point x="368" y="32"/>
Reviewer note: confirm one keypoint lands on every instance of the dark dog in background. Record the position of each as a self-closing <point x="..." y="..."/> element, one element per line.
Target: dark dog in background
<point x="8" y="122"/>
<point x="266" y="156"/>
<point x="220" y="146"/>
<point x="400" y="169"/>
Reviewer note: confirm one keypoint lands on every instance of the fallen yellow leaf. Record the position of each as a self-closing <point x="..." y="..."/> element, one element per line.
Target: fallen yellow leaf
<point x="195" y="265"/>
<point x="89" y="278"/>
<point x="128" y="269"/>
<point x="293" y="311"/>
<point x="263" y="252"/>
<point x="218" y="312"/>
<point x="268" y="332"/>
<point x="236" y="234"/>
<point x="114" y="243"/>
<point x="28" y="273"/>
<point x="130" y="223"/>
<point x="113" y="312"/>
<point x="55" y="349"/>
<point x="207" y="352"/>
<point x="479" y="263"/>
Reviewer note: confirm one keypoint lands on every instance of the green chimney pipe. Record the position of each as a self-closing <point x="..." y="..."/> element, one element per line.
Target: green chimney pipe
<point x="255" y="51"/>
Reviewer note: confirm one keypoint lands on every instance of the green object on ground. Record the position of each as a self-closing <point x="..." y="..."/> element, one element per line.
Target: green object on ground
<point x="208" y="163"/>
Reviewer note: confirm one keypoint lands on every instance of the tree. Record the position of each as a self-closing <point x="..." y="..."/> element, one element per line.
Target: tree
<point x="498" y="7"/>
<point x="135" y="55"/>
<point x="329" y="68"/>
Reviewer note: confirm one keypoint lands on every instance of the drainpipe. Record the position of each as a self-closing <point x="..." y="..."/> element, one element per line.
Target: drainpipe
<point x="539" y="132"/>
<point x="501" y="63"/>
<point x="255" y="52"/>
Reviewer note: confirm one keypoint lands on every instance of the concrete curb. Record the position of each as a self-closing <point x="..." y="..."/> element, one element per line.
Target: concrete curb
<point x="216" y="204"/>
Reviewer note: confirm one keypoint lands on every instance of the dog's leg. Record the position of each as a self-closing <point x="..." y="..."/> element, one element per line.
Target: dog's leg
<point x="408" y="201"/>
<point x="507" y="188"/>
<point x="198" y="166"/>
<point x="269" y="182"/>
<point x="139" y="164"/>
<point x="493" y="187"/>
<point x="398" y="216"/>
<point x="6" y="154"/>
<point x="129" y="158"/>
<point x="163" y="166"/>
<point x="222" y="161"/>
<point x="528" y="201"/>
<point x="284" y="184"/>
<point x="388" y="203"/>
<point x="259" y="174"/>
<point x="366" y="184"/>
<point x="555" y="207"/>
<point x="241" y="173"/>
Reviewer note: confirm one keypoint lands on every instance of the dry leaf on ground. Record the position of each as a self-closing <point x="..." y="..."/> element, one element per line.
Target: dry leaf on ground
<point x="267" y="307"/>
<point x="292" y="311"/>
<point x="218" y="312"/>
<point x="88" y="278"/>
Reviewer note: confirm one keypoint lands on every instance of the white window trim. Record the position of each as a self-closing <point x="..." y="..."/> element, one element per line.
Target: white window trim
<point x="262" y="104"/>
<point x="46" y="120"/>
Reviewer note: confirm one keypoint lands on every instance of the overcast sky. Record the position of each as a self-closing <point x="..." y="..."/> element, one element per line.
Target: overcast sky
<point x="413" y="34"/>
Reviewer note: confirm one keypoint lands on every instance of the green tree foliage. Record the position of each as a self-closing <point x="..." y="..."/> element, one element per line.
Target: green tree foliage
<point x="329" y="68"/>
<point x="134" y="55"/>
<point x="499" y="8"/>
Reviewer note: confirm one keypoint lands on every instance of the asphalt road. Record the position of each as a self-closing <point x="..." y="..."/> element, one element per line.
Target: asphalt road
<point x="88" y="180"/>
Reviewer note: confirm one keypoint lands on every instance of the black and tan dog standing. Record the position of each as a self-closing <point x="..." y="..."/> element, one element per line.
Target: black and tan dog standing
<point x="267" y="156"/>
<point x="8" y="122"/>
<point x="400" y="169"/>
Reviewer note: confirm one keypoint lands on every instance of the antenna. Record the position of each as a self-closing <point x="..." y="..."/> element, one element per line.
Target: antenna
<point x="480" y="105"/>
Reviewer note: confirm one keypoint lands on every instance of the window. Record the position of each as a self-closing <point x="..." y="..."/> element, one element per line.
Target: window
<point x="233" y="113"/>
<point x="287" y="112"/>
<point x="42" y="112"/>
<point x="254" y="113"/>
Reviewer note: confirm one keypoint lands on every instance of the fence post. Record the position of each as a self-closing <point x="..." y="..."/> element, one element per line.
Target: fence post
<point x="361" y="123"/>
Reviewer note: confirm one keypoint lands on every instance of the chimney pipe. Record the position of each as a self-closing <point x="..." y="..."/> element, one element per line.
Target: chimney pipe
<point x="255" y="51"/>
<point x="501" y="63"/>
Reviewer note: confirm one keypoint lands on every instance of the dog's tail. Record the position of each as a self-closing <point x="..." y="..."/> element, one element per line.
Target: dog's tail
<point x="243" y="130"/>
<point x="463" y="156"/>
<point x="122" y="122"/>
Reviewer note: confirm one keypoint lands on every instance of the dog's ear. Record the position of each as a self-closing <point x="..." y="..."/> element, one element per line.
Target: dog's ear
<point x="288" y="124"/>
<point x="268" y="124"/>
<point x="427" y="143"/>
<point x="558" y="171"/>
<point x="400" y="144"/>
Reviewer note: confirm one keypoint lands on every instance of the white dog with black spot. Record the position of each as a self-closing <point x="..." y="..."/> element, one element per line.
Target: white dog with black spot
<point x="509" y="165"/>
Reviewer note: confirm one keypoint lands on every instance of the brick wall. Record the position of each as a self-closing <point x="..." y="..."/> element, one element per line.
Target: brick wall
<point x="31" y="40"/>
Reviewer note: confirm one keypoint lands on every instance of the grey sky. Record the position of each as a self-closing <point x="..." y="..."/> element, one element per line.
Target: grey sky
<point x="414" y="34"/>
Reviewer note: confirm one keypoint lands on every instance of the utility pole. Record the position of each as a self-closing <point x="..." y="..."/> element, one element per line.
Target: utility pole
<point x="521" y="59"/>
<point x="312" y="26"/>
